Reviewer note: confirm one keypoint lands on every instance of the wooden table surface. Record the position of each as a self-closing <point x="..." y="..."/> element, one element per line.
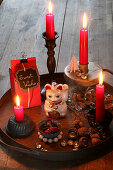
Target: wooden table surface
<point x="21" y="25"/>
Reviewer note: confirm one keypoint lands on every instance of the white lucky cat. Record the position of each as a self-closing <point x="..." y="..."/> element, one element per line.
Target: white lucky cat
<point x="56" y="97"/>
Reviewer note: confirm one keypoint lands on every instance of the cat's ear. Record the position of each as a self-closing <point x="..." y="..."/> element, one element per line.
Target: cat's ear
<point x="59" y="87"/>
<point x="47" y="87"/>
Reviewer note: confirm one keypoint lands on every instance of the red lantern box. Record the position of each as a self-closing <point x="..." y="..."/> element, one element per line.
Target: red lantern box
<point x="25" y="81"/>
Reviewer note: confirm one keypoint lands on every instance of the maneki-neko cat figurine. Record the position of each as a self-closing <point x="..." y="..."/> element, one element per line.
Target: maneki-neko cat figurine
<point x="56" y="96"/>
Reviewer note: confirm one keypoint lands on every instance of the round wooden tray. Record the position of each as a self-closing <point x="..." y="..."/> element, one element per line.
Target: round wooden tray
<point x="55" y="151"/>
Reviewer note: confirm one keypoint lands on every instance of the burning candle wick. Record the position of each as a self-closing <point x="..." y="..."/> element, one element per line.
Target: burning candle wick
<point x="84" y="21"/>
<point x="101" y="79"/>
<point x="50" y="8"/>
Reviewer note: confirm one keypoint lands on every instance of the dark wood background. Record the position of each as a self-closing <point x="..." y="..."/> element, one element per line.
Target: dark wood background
<point x="21" y="25"/>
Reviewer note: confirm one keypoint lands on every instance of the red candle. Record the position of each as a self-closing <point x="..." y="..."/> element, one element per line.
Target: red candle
<point x="50" y="30"/>
<point x="100" y="108"/>
<point x="18" y="110"/>
<point x="83" y="51"/>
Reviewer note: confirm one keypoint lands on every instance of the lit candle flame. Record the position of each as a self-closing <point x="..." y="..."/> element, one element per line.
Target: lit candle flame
<point x="84" y="21"/>
<point x="50" y="8"/>
<point x="17" y="101"/>
<point x="101" y="79"/>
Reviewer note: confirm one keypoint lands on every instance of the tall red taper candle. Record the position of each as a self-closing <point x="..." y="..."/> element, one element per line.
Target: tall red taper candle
<point x="100" y="108"/>
<point x="83" y="51"/>
<point x="50" y="30"/>
<point x="18" y="110"/>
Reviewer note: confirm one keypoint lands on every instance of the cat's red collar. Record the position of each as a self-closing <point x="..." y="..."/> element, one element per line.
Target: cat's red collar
<point x="55" y="103"/>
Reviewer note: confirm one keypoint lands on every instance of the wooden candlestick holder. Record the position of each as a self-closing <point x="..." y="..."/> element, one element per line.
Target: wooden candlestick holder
<point x="51" y="62"/>
<point x="20" y="129"/>
<point x="50" y="45"/>
<point x="91" y="69"/>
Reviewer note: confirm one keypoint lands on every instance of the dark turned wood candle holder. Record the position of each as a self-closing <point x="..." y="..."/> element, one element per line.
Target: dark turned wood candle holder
<point x="105" y="124"/>
<point x="20" y="129"/>
<point x="50" y="45"/>
<point x="51" y="62"/>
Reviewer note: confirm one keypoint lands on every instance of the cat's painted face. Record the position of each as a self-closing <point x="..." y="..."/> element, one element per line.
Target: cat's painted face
<point x="54" y="95"/>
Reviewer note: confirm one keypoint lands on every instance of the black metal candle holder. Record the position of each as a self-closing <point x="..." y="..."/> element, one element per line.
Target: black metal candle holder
<point x="20" y="129"/>
<point x="50" y="45"/>
<point x="105" y="124"/>
<point x="51" y="62"/>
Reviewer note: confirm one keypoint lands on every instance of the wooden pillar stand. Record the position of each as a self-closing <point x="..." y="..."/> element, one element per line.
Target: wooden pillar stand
<point x="50" y="45"/>
<point x="51" y="62"/>
<point x="92" y="79"/>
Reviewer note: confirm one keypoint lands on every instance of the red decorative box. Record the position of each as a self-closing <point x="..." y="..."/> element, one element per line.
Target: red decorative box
<point x="25" y="82"/>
